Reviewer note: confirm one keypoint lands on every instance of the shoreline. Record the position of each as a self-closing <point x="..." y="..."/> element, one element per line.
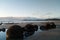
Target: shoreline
<point x="22" y="24"/>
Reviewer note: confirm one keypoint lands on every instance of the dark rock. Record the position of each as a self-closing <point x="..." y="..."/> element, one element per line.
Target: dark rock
<point x="42" y="28"/>
<point x="15" y="32"/>
<point x="0" y="29"/>
<point x="3" y="29"/>
<point x="52" y="24"/>
<point x="35" y="27"/>
<point x="1" y="23"/>
<point x="48" y="26"/>
<point x="29" y="30"/>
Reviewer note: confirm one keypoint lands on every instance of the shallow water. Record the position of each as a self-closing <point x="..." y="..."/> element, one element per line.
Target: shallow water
<point x="2" y="35"/>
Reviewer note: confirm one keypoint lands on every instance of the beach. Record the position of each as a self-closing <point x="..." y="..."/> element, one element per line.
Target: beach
<point x="52" y="34"/>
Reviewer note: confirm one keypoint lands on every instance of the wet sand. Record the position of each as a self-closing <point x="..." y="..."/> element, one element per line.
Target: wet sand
<point x="53" y="34"/>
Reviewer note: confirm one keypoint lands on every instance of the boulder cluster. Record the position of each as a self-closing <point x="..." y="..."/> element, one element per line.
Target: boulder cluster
<point x="17" y="32"/>
<point x="49" y="25"/>
<point x="30" y="29"/>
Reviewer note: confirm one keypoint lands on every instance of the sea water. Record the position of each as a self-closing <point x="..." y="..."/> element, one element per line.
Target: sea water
<point x="2" y="35"/>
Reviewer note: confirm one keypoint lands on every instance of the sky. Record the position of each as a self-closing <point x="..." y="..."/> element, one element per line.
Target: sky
<point x="30" y="8"/>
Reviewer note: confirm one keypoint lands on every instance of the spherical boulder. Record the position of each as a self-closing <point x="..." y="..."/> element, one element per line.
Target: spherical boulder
<point x="29" y="30"/>
<point x="35" y="27"/>
<point x="14" y="32"/>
